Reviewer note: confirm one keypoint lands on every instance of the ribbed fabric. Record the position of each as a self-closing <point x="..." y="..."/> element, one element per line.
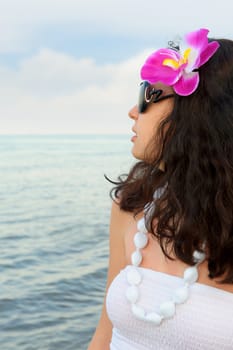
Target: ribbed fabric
<point x="204" y="322"/>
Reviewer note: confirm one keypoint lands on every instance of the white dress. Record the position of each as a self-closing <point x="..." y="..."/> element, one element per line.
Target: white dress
<point x="204" y="321"/>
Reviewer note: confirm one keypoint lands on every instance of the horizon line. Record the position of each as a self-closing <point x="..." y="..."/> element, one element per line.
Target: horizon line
<point x="74" y="134"/>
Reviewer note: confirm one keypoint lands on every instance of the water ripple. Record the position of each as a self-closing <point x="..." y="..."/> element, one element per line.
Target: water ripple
<point x="54" y="237"/>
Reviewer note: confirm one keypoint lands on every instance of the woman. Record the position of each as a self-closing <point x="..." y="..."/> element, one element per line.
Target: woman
<point x="170" y="277"/>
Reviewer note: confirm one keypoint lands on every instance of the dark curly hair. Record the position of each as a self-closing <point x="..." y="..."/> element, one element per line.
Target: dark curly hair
<point x="196" y="144"/>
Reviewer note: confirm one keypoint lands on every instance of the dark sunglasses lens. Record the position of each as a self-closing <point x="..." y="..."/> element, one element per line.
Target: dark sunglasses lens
<point x="143" y="96"/>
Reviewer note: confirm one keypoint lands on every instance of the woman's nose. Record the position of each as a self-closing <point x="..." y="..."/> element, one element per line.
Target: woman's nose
<point x="133" y="112"/>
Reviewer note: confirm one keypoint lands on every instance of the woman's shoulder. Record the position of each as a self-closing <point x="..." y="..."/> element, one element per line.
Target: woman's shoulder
<point x="119" y="215"/>
<point x="121" y="223"/>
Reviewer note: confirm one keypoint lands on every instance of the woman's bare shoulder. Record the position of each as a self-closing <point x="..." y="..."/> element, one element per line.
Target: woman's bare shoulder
<point x="119" y="222"/>
<point x="120" y="217"/>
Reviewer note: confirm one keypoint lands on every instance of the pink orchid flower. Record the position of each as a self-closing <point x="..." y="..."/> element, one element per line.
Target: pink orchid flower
<point x="178" y="68"/>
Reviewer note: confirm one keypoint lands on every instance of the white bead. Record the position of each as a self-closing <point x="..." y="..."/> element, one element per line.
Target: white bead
<point x="140" y="240"/>
<point x="191" y="274"/>
<point x="198" y="256"/>
<point x="153" y="317"/>
<point x="167" y="309"/>
<point x="138" y="312"/>
<point x="132" y="294"/>
<point x="181" y="295"/>
<point x="136" y="258"/>
<point x="141" y="225"/>
<point x="133" y="276"/>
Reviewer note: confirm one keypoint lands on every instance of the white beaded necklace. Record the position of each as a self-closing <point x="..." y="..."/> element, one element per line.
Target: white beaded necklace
<point x="134" y="279"/>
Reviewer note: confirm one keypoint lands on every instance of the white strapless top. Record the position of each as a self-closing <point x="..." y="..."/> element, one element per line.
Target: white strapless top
<point x="204" y="321"/>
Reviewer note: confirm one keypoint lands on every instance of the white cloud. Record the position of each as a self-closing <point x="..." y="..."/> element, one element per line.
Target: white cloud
<point x="55" y="93"/>
<point x="21" y="21"/>
<point x="53" y="73"/>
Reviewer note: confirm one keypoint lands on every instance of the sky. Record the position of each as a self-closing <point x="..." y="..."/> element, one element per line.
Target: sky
<point x="72" y="66"/>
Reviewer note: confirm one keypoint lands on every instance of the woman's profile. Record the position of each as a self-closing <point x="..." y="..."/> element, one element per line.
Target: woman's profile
<point x="170" y="275"/>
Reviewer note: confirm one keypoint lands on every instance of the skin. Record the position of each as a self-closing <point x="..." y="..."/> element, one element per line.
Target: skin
<point x="123" y="226"/>
<point x="146" y="124"/>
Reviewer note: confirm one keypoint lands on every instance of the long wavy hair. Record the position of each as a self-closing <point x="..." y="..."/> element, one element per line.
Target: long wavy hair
<point x="196" y="144"/>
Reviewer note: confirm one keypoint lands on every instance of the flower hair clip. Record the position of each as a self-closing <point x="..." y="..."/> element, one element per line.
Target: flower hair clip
<point x="177" y="66"/>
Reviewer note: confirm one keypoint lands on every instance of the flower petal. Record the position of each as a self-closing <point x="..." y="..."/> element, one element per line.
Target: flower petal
<point x="204" y="50"/>
<point x="160" y="55"/>
<point x="192" y="60"/>
<point x="208" y="52"/>
<point x="155" y="68"/>
<point x="163" y="74"/>
<point x="197" y="39"/>
<point x="187" y="84"/>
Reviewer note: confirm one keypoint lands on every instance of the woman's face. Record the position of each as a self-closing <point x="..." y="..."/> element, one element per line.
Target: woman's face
<point x="146" y="123"/>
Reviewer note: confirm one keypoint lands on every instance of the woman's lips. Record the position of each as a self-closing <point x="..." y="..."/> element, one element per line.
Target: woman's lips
<point x="133" y="138"/>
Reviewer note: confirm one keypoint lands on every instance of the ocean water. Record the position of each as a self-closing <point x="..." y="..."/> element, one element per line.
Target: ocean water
<point x="54" y="219"/>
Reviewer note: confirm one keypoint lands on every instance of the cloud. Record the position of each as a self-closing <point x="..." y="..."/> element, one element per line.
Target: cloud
<point x="23" y="21"/>
<point x="55" y="93"/>
<point x="52" y="91"/>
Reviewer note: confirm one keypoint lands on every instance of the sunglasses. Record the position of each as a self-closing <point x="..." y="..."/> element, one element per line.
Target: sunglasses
<point x="148" y="94"/>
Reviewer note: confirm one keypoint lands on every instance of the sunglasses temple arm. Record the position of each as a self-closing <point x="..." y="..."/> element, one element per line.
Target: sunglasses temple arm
<point x="164" y="97"/>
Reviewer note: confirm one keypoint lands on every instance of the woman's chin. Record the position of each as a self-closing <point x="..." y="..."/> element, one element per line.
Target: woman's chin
<point x="136" y="153"/>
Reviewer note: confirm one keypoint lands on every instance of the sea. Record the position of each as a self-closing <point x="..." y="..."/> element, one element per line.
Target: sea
<point x="54" y="228"/>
